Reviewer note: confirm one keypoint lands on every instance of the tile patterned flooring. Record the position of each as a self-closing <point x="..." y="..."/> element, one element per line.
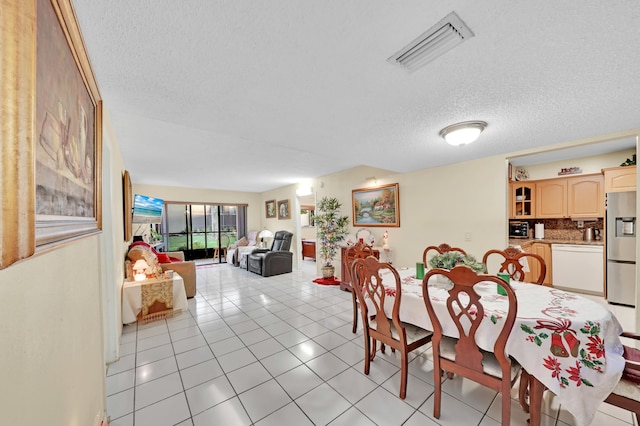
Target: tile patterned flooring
<point x="280" y="351"/>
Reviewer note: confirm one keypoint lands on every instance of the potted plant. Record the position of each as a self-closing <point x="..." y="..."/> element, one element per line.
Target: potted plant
<point x="450" y="259"/>
<point x="331" y="229"/>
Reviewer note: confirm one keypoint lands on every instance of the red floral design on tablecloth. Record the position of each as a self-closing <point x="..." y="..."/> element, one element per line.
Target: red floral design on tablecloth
<point x="567" y="357"/>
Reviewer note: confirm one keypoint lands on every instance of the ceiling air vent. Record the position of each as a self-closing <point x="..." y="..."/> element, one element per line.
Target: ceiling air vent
<point x="436" y="41"/>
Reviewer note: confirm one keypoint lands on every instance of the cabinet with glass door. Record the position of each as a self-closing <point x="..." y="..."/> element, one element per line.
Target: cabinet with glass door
<point x="522" y="200"/>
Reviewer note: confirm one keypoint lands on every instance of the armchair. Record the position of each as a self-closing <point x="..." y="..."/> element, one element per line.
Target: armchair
<point x="276" y="260"/>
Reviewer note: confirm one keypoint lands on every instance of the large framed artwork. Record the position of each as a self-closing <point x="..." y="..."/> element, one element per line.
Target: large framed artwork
<point x="270" y="208"/>
<point x="51" y="131"/>
<point x="376" y="206"/>
<point x="67" y="144"/>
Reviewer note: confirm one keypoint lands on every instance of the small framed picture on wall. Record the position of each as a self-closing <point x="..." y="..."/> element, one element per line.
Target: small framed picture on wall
<point x="270" y="208"/>
<point x="283" y="209"/>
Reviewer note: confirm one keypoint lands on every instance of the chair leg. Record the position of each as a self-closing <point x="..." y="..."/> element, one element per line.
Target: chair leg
<point x="404" y="366"/>
<point x="367" y="356"/>
<point x="374" y="349"/>
<point x="437" y="394"/>
<point x="523" y="390"/>
<point x="506" y="407"/>
<point x="355" y="312"/>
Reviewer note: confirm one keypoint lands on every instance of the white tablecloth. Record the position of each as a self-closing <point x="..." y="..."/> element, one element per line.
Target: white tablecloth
<point x="132" y="297"/>
<point x="569" y="343"/>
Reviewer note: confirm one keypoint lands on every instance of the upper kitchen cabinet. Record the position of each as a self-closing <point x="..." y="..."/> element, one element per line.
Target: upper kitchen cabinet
<point x="551" y="198"/>
<point x="620" y="179"/>
<point x="522" y="204"/>
<point x="586" y="196"/>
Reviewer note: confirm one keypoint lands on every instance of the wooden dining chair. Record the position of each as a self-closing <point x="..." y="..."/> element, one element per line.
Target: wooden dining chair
<point x="626" y="394"/>
<point x="441" y="249"/>
<point x="366" y="280"/>
<point x="462" y="356"/>
<point x="512" y="263"/>
<point x="356" y="251"/>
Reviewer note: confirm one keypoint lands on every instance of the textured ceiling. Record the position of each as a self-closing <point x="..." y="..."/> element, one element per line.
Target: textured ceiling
<point x="249" y="96"/>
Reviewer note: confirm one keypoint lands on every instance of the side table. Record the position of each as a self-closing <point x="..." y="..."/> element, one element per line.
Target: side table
<point x="132" y="297"/>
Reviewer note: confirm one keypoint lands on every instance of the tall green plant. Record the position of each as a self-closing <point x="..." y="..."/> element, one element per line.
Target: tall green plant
<point x="330" y="228"/>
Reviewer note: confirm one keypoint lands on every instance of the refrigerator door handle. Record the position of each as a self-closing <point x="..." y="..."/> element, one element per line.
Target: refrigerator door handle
<point x="622" y="261"/>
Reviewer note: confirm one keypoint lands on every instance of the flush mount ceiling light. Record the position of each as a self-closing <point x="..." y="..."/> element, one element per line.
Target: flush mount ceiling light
<point x="463" y="133"/>
<point x="436" y="41"/>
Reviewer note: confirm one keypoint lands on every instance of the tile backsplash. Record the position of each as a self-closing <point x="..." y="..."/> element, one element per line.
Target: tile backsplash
<point x="563" y="229"/>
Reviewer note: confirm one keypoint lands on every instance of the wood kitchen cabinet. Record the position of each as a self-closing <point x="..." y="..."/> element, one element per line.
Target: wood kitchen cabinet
<point x="543" y="250"/>
<point x="522" y="200"/>
<point x="620" y="179"/>
<point x="586" y="196"/>
<point x="551" y="198"/>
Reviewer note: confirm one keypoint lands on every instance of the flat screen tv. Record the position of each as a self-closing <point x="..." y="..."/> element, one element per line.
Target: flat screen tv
<point x="147" y="209"/>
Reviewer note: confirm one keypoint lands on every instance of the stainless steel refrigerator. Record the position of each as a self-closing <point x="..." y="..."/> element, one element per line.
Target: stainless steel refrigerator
<point x="621" y="247"/>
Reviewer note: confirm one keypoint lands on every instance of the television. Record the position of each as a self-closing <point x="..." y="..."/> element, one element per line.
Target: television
<point x="147" y="209"/>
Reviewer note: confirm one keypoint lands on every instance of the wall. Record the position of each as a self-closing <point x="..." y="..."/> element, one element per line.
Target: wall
<point x="52" y="359"/>
<point x="292" y="224"/>
<point x="438" y="205"/>
<point x="592" y="164"/>
<point x="308" y="233"/>
<point x="52" y="363"/>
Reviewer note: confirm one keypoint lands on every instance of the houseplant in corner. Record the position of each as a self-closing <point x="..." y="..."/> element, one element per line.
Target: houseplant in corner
<point x="331" y="229"/>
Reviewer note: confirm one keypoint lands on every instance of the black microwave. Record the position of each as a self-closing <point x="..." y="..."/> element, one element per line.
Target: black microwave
<point x="518" y="229"/>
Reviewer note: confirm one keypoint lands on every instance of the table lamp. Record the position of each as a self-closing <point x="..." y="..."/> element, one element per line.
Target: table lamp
<point x="264" y="234"/>
<point x="139" y="267"/>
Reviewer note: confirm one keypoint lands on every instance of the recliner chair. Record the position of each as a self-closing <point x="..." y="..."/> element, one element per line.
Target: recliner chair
<point x="274" y="261"/>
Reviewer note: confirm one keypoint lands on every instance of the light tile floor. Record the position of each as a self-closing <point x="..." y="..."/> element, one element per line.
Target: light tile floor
<point x="280" y="351"/>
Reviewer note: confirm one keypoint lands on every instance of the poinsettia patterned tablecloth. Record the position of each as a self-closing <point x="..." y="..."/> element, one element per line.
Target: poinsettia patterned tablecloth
<point x="569" y="343"/>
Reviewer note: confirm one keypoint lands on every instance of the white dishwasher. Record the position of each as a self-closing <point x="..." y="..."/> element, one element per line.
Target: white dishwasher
<point x="578" y="267"/>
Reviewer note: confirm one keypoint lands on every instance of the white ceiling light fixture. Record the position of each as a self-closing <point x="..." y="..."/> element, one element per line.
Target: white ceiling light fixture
<point x="436" y="41"/>
<point x="463" y="133"/>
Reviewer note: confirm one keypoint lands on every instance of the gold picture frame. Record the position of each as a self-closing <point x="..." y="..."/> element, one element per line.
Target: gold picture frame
<point x="25" y="227"/>
<point x="127" y="206"/>
<point x="270" y="208"/>
<point x="284" y="212"/>
<point x="376" y="206"/>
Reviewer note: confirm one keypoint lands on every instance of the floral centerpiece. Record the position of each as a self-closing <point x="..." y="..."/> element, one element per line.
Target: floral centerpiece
<point x="331" y="229"/>
<point x="450" y="259"/>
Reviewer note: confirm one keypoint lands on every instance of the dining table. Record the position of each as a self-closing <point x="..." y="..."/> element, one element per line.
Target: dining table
<point x="568" y="343"/>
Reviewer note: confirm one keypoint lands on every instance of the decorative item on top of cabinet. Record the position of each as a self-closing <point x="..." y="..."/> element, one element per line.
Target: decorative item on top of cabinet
<point x="522" y="199"/>
<point x="620" y="179"/>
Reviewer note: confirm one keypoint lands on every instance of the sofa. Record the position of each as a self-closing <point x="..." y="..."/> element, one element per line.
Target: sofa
<point x="166" y="261"/>
<point x="275" y="260"/>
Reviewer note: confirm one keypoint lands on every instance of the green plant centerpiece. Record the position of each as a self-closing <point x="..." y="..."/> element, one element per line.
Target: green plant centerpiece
<point x="330" y="229"/>
<point x="450" y="259"/>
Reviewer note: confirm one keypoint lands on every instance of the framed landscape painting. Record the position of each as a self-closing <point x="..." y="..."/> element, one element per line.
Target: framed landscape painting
<point x="376" y="206"/>
<point x="270" y="208"/>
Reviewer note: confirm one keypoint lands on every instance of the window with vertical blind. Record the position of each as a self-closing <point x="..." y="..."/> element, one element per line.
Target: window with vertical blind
<point x="198" y="229"/>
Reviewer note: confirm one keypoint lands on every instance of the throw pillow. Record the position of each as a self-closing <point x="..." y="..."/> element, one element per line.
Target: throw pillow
<point x="242" y="242"/>
<point x="163" y="258"/>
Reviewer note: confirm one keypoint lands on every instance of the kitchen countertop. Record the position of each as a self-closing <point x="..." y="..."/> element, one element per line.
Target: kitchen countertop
<point x="525" y="242"/>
